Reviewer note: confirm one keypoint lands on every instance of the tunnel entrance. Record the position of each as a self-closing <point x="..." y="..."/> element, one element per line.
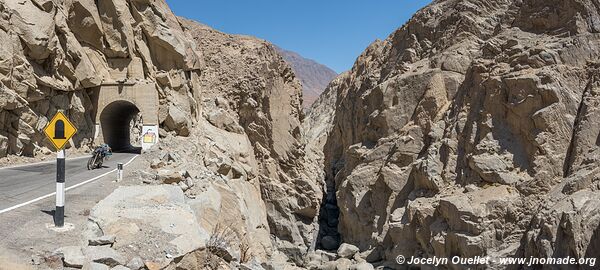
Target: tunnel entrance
<point x="120" y="122"/>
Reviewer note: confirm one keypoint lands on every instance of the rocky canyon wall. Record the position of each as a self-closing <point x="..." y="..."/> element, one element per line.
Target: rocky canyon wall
<point x="470" y="130"/>
<point x="55" y="55"/>
<point x="250" y="92"/>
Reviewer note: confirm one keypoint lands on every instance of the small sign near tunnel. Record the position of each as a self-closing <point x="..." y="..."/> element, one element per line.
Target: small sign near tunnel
<point x="60" y="130"/>
<point x="149" y="136"/>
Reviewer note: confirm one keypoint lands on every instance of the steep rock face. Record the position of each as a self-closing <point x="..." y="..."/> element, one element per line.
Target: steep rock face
<point x="55" y="54"/>
<point x="462" y="132"/>
<point x="249" y="90"/>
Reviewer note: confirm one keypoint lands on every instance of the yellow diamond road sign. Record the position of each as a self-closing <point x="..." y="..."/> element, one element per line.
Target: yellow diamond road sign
<point x="60" y="130"/>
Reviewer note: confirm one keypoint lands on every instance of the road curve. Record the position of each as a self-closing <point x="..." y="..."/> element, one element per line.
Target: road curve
<point x="25" y="184"/>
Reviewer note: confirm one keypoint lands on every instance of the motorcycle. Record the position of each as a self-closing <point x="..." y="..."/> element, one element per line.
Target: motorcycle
<point x="97" y="159"/>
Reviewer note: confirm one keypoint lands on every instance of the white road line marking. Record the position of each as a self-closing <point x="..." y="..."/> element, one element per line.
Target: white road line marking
<point x="67" y="189"/>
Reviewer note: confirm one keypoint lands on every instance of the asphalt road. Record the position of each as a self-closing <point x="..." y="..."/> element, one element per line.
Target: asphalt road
<point x="29" y="183"/>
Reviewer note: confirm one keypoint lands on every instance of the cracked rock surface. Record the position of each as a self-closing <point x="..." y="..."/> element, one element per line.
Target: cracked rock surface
<point x="470" y="130"/>
<point x="473" y="129"/>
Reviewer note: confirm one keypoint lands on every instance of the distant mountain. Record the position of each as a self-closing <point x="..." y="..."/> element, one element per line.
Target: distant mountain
<point x="313" y="75"/>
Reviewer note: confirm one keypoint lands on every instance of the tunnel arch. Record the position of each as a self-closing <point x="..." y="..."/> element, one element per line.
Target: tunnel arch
<point x="115" y="122"/>
<point x="127" y="95"/>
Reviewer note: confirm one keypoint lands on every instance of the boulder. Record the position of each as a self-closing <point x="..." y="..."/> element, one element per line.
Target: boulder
<point x="84" y="21"/>
<point x="343" y="264"/>
<point x="159" y="213"/>
<point x="163" y="79"/>
<point x="104" y="255"/>
<point x="169" y="46"/>
<point x="119" y="38"/>
<point x="136" y="263"/>
<point x="330" y="242"/>
<point x="95" y="266"/>
<point x="72" y="256"/>
<point x="313" y="260"/>
<point x="218" y="162"/>
<point x="102" y="240"/>
<point x="327" y="256"/>
<point x="464" y="213"/>
<point x="170" y="177"/>
<point x="223" y="120"/>
<point x="34" y="26"/>
<point x="329" y="266"/>
<point x="362" y="266"/>
<point x="234" y="214"/>
<point x="178" y="121"/>
<point x="494" y="169"/>
<point x="347" y="250"/>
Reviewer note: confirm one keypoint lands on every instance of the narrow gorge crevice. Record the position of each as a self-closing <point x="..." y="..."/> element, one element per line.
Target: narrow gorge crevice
<point x="329" y="237"/>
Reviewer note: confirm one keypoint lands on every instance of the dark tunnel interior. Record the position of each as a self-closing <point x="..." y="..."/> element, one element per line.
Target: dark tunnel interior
<point x="115" y="122"/>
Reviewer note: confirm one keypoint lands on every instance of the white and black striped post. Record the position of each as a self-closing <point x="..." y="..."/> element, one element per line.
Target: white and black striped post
<point x="119" y="172"/>
<point x="59" y="213"/>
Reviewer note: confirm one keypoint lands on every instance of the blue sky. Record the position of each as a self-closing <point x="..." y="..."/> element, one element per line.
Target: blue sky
<point x="332" y="32"/>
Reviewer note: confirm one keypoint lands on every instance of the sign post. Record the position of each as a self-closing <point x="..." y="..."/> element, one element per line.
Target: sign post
<point x="119" y="172"/>
<point x="59" y="213"/>
<point x="59" y="131"/>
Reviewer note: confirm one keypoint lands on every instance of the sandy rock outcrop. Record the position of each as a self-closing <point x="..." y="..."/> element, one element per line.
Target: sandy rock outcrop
<point x="251" y="96"/>
<point x="220" y="177"/>
<point x="56" y="54"/>
<point x="153" y="222"/>
<point x="468" y="131"/>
